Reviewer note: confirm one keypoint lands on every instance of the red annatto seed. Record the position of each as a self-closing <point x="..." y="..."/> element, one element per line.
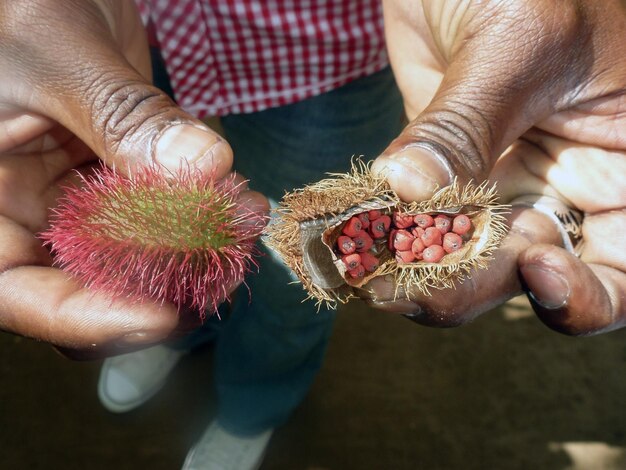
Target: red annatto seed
<point x="433" y="254"/>
<point x="403" y="240"/>
<point x="374" y="214"/>
<point x="365" y="220"/>
<point x="404" y="257"/>
<point x="358" y="272"/>
<point x="443" y="223"/>
<point x="353" y="227"/>
<point x="363" y="241"/>
<point x="432" y="236"/>
<point x="423" y="221"/>
<point x="392" y="236"/>
<point x="386" y="221"/>
<point x="417" y="232"/>
<point x="351" y="261"/>
<point x="461" y="224"/>
<point x="417" y="247"/>
<point x="369" y="262"/>
<point x="346" y="245"/>
<point x="380" y="226"/>
<point x="401" y="220"/>
<point x="376" y="229"/>
<point x="452" y="242"/>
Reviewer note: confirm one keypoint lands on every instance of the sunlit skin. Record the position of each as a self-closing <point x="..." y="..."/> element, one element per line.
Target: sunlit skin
<point x="74" y="89"/>
<point x="530" y="95"/>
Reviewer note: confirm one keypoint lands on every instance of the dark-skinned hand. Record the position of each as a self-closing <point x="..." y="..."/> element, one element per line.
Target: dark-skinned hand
<point x="532" y="95"/>
<point x="75" y="89"/>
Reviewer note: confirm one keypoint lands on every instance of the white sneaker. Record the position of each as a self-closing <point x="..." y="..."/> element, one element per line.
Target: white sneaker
<point x="129" y="380"/>
<point x="218" y="449"/>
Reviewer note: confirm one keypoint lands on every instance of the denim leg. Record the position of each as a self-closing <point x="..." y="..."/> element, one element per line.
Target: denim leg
<point x="272" y="346"/>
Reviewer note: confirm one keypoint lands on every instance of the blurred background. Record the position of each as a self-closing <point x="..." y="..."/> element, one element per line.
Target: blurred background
<point x="501" y="393"/>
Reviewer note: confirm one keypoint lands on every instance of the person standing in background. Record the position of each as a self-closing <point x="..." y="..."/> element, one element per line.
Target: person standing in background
<point x="300" y="87"/>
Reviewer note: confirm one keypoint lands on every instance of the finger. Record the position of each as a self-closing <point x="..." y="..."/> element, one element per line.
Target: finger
<point x="31" y="183"/>
<point x="79" y="76"/>
<point x="42" y="302"/>
<point x="591" y="178"/>
<point x="483" y="290"/>
<point x="495" y="87"/>
<point x="46" y="304"/>
<point x="581" y="296"/>
<point x="253" y="208"/>
<point x="17" y="127"/>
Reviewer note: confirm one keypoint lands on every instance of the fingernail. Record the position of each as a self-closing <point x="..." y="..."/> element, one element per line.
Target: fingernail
<point x="139" y="337"/>
<point x="414" y="316"/>
<point x="191" y="144"/>
<point x="548" y="288"/>
<point x="415" y="173"/>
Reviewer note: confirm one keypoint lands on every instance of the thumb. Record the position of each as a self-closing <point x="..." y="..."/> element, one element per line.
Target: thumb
<point x="506" y="65"/>
<point x="77" y="73"/>
<point x="579" y="296"/>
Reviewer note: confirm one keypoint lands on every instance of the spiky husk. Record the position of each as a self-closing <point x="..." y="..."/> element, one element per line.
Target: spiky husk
<point x="178" y="238"/>
<point x="330" y="202"/>
<point x="481" y="200"/>
<point x="327" y="199"/>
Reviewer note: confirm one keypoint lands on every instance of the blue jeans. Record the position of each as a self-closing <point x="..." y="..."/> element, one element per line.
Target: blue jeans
<point x="272" y="345"/>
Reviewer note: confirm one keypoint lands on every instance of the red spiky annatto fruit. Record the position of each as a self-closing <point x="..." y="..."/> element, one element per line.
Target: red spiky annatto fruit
<point x="179" y="238"/>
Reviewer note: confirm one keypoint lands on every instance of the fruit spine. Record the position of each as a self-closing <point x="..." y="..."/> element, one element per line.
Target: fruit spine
<point x="179" y="237"/>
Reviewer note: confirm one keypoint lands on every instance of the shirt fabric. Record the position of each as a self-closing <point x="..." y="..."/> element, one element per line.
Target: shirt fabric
<point x="241" y="56"/>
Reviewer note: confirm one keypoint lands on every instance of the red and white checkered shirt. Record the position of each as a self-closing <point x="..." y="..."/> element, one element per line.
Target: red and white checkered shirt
<point x="239" y="56"/>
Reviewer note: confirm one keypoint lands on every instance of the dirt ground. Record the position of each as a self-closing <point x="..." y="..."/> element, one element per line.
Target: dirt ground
<point x="501" y="393"/>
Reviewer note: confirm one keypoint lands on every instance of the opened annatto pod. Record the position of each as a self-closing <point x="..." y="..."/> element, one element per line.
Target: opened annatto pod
<point x="341" y="232"/>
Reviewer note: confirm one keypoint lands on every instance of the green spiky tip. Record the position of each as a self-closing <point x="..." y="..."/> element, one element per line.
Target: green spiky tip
<point x="169" y="217"/>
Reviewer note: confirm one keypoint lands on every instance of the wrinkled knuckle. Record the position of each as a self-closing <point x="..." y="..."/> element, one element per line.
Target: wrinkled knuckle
<point x="126" y="109"/>
<point x="461" y="135"/>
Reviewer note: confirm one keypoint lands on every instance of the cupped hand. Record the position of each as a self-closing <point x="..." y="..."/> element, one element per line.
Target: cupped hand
<point x="529" y="95"/>
<point x="75" y="88"/>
